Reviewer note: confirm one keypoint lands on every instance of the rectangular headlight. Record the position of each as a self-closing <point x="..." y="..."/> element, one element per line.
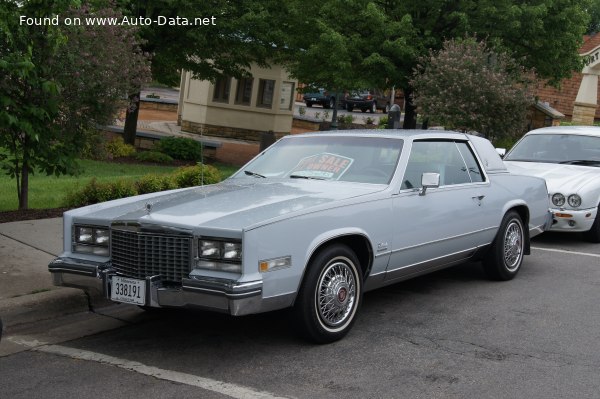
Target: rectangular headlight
<point x="222" y="255"/>
<point x="91" y="240"/>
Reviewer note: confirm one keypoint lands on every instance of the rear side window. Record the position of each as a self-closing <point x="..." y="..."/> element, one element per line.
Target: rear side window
<point x="453" y="160"/>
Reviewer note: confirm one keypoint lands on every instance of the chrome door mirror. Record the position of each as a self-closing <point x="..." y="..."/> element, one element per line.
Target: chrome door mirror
<point x="429" y="180"/>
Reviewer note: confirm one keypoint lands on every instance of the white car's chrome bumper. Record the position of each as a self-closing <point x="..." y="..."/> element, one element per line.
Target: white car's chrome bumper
<point x="573" y="221"/>
<point x="221" y="295"/>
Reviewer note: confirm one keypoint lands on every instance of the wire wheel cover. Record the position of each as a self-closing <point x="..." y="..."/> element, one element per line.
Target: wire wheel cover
<point x="513" y="246"/>
<point x="336" y="293"/>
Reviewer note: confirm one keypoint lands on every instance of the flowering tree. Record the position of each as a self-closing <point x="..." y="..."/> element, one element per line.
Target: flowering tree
<point x="467" y="87"/>
<point x="57" y="83"/>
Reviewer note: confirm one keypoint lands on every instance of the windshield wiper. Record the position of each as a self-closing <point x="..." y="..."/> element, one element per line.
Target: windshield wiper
<point x="581" y="162"/>
<point x="254" y="174"/>
<point x="306" y="177"/>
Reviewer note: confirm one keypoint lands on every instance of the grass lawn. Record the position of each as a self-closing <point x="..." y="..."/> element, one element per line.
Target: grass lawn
<point x="50" y="191"/>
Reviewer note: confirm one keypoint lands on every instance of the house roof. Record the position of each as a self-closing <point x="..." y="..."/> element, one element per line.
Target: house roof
<point x="590" y="42"/>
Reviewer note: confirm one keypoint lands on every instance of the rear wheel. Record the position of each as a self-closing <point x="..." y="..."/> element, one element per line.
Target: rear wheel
<point x="505" y="257"/>
<point x="593" y="234"/>
<point x="330" y="295"/>
<point x="349" y="107"/>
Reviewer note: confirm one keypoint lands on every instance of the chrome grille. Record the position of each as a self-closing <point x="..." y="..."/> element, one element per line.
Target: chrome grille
<point x="141" y="254"/>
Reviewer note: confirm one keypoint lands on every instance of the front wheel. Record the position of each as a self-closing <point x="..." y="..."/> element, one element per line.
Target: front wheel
<point x="330" y="295"/>
<point x="505" y="257"/>
<point x="593" y="234"/>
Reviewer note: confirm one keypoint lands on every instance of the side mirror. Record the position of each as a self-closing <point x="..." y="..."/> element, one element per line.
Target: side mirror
<point x="501" y="152"/>
<point x="429" y="180"/>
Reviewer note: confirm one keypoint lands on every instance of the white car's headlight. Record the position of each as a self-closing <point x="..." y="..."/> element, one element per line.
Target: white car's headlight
<point x="93" y="240"/>
<point x="558" y="199"/>
<point x="574" y="201"/>
<point x="223" y="255"/>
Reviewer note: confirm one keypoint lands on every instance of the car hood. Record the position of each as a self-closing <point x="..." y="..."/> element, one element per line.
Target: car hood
<point x="559" y="177"/>
<point x="229" y="205"/>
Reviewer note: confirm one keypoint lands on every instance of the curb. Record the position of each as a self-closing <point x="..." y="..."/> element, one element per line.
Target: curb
<point x="32" y="308"/>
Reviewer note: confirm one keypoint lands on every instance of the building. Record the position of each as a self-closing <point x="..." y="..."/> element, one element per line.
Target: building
<point x="577" y="97"/>
<point x="241" y="109"/>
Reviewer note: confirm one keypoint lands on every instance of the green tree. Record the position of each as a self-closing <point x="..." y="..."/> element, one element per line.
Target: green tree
<point x="594" y="13"/>
<point x="379" y="42"/>
<point x="57" y="83"/>
<point x="449" y="90"/>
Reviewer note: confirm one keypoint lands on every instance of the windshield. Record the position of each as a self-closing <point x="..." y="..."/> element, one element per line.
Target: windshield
<point x="353" y="159"/>
<point x="557" y="148"/>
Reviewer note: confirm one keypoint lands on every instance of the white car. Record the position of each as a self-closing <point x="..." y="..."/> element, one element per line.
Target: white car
<point x="568" y="158"/>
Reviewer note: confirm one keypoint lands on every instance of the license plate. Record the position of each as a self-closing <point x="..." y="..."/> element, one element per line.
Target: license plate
<point x="128" y="290"/>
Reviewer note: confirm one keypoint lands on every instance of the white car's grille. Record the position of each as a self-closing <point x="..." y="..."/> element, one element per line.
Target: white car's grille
<point x="142" y="254"/>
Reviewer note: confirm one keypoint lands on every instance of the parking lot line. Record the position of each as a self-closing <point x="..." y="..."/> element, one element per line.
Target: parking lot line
<point x="224" y="388"/>
<point x="566" y="252"/>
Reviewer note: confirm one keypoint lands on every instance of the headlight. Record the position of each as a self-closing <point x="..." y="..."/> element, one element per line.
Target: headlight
<point x="91" y="240"/>
<point x="574" y="200"/>
<point x="220" y="255"/>
<point x="558" y="199"/>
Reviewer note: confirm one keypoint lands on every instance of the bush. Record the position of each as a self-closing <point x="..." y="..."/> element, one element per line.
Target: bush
<point x="94" y="192"/>
<point x="182" y="148"/>
<point x="116" y="148"/>
<point x="153" y="156"/>
<point x="153" y="183"/>
<point x="95" y="145"/>
<point x="189" y="176"/>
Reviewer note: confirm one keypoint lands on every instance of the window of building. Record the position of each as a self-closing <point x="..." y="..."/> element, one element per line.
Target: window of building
<point x="243" y="94"/>
<point x="266" y="89"/>
<point x="287" y="96"/>
<point x="222" y="87"/>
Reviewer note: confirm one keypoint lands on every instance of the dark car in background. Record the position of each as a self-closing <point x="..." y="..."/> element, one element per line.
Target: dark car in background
<point x="368" y="100"/>
<point x="321" y="97"/>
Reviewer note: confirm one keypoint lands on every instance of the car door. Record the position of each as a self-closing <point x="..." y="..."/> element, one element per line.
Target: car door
<point x="445" y="225"/>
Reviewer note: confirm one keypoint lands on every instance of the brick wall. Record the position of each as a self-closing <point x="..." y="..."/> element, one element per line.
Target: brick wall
<point x="563" y="98"/>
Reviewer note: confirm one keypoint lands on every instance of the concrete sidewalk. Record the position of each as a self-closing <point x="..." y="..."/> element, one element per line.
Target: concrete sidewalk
<point x="26" y="290"/>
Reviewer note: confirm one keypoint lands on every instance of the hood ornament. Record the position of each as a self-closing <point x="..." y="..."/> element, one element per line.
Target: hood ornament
<point x="148" y="208"/>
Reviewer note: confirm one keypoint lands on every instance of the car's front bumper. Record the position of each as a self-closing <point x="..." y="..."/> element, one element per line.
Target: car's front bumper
<point x="216" y="294"/>
<point x="573" y="221"/>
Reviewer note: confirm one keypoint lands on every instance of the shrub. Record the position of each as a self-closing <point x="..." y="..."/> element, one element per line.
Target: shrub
<point x="152" y="183"/>
<point x="153" y="156"/>
<point x="95" y="192"/>
<point x="345" y="119"/>
<point x="188" y="176"/>
<point x="182" y="148"/>
<point x="94" y="146"/>
<point x="117" y="148"/>
<point x="383" y="121"/>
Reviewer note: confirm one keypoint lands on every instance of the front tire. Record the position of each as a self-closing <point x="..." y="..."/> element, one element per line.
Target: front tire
<point x="330" y="295"/>
<point x="593" y="234"/>
<point x="505" y="257"/>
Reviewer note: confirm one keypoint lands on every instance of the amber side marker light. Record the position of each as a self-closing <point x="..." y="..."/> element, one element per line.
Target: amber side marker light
<point x="563" y="215"/>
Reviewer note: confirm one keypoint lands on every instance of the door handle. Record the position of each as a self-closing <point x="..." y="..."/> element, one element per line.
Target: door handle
<point x="478" y="198"/>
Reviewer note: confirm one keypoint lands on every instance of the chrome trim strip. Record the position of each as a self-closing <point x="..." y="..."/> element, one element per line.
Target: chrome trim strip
<point x="444" y="239"/>
<point x="433" y="260"/>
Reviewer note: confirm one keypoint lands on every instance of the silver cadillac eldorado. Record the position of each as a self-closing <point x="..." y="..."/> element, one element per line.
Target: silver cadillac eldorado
<point x="311" y="223"/>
